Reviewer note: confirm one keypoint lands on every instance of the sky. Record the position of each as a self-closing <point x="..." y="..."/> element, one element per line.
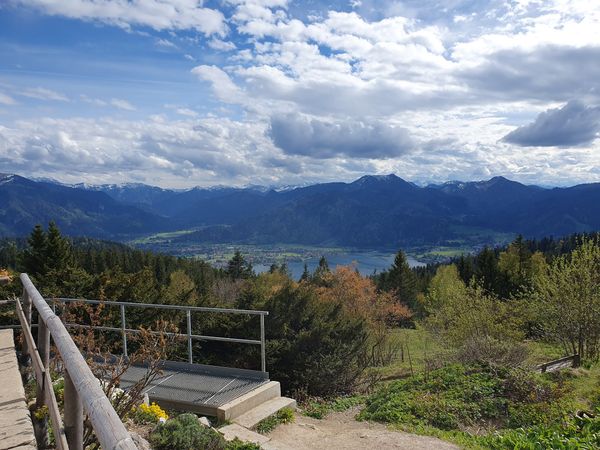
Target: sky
<point x="181" y="93"/>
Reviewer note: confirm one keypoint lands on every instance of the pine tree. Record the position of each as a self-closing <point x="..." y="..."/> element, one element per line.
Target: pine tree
<point x="238" y="267"/>
<point x="34" y="256"/>
<point x="305" y="274"/>
<point x="320" y="275"/>
<point x="465" y="268"/>
<point x="486" y="270"/>
<point x="58" y="250"/>
<point x="401" y="279"/>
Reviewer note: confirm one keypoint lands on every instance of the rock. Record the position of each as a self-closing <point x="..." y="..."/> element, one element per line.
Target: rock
<point x="140" y="442"/>
<point x="146" y="400"/>
<point x="204" y="421"/>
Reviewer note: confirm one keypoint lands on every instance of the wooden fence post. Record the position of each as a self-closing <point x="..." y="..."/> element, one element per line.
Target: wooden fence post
<point x="26" y="351"/>
<point x="73" y="415"/>
<point x="43" y="345"/>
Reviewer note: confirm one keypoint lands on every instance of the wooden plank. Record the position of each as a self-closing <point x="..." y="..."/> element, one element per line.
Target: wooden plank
<point x="107" y="425"/>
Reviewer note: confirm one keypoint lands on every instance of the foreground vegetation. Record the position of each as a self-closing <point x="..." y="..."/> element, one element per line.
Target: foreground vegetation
<point x="448" y="350"/>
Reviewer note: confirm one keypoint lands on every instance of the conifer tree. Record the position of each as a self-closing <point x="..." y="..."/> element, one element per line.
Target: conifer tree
<point x="238" y="267"/>
<point x="305" y="274"/>
<point x="401" y="279"/>
<point x="34" y="257"/>
<point x="58" y="250"/>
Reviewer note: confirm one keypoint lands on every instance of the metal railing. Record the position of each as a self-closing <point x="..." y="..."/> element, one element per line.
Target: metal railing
<point x="82" y="389"/>
<point x="189" y="335"/>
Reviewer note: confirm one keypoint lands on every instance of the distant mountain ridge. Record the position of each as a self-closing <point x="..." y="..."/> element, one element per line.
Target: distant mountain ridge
<point x="371" y="212"/>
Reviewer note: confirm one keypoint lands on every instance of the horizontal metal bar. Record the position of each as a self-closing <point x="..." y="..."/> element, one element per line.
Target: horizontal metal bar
<point x="193" y="336"/>
<point x="160" y="306"/>
<point x="16" y="327"/>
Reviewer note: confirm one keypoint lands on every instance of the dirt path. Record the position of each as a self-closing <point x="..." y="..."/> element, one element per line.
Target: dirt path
<point x="339" y="431"/>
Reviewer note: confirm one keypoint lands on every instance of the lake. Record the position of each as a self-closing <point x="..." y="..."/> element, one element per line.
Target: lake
<point x="366" y="262"/>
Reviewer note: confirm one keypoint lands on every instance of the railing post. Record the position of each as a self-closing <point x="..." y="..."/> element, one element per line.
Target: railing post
<point x="73" y="415"/>
<point x="189" y="332"/>
<point x="263" y="357"/>
<point x="123" y="332"/>
<point x="25" y="355"/>
<point x="43" y="345"/>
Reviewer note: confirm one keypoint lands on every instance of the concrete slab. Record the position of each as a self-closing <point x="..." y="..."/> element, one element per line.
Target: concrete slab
<point x="230" y="432"/>
<point x="246" y="402"/>
<point x="251" y="418"/>
<point x="16" y="430"/>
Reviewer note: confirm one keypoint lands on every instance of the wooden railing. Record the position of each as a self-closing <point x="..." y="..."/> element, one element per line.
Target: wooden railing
<point x="82" y="389"/>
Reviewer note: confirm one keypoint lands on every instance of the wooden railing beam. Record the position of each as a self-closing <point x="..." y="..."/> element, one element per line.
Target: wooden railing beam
<point x="107" y="425"/>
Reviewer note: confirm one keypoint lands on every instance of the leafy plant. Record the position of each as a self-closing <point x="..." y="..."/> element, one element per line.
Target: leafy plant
<point x="285" y="415"/>
<point x="184" y="432"/>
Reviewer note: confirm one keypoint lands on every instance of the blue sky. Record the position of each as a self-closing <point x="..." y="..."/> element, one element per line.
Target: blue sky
<point x="183" y="92"/>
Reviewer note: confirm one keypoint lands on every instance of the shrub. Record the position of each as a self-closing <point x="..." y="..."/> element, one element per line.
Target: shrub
<point x="184" y="432"/>
<point x="445" y="398"/>
<point x="456" y="396"/>
<point x="575" y="433"/>
<point x="313" y="345"/>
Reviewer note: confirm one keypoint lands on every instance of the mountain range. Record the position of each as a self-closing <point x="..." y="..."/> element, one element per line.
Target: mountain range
<point x="371" y="212"/>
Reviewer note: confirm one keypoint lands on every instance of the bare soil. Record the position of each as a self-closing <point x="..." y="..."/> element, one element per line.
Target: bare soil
<point x="340" y="431"/>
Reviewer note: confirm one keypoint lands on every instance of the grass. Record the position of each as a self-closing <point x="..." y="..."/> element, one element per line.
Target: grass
<point x="413" y="348"/>
<point x="285" y="415"/>
<point x="319" y="408"/>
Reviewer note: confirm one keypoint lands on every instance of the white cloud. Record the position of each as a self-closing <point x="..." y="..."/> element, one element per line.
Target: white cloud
<point x="93" y="101"/>
<point x="41" y="93"/>
<point x="186" y="112"/>
<point x="156" y="14"/>
<point x="165" y="43"/>
<point x="122" y="104"/>
<point x="225" y="89"/>
<point x="6" y="100"/>
<point x="218" y="44"/>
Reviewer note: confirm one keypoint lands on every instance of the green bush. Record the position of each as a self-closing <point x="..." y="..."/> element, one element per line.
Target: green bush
<point x="576" y="433"/>
<point x="444" y="398"/>
<point x="314" y="346"/>
<point x="285" y="415"/>
<point x="184" y="432"/>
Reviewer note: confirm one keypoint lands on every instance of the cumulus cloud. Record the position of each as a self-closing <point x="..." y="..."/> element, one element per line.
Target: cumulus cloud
<point x="122" y="104"/>
<point x="319" y="139"/>
<point x="225" y="89"/>
<point x="572" y="125"/>
<point x="41" y="93"/>
<point x="156" y="14"/>
<point x="221" y="45"/>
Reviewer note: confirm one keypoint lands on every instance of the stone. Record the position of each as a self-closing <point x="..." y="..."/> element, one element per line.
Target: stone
<point x="204" y="421"/>
<point x="140" y="442"/>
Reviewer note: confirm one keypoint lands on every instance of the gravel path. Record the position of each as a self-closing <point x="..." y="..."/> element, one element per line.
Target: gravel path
<point x="339" y="431"/>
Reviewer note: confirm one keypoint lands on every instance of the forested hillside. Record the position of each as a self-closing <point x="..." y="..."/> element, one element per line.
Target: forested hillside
<point x="371" y="212"/>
